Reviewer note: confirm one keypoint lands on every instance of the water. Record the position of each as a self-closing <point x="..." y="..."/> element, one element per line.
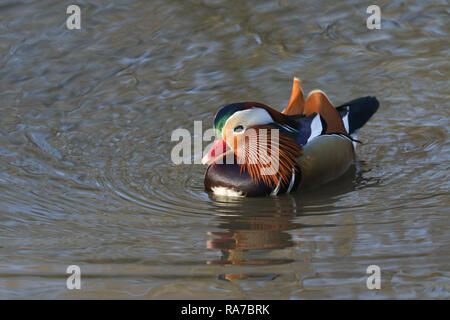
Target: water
<point x="86" y="177"/>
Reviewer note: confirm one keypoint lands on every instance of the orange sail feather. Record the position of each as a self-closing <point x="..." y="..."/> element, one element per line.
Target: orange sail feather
<point x="296" y="104"/>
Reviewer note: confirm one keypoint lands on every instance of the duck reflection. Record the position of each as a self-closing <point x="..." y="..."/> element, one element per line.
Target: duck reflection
<point x="251" y="233"/>
<point x="253" y="239"/>
<point x="259" y="232"/>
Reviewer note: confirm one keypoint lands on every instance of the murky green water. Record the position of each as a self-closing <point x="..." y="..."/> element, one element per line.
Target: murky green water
<point x="86" y="177"/>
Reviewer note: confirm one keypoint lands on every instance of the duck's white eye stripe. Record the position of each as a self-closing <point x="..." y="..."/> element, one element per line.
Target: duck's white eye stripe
<point x="249" y="117"/>
<point x="238" y="129"/>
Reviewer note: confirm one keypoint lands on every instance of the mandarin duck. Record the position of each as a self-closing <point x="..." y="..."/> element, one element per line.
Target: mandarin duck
<point x="311" y="142"/>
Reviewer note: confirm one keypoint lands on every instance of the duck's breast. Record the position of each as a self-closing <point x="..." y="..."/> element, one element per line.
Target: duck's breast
<point x="227" y="179"/>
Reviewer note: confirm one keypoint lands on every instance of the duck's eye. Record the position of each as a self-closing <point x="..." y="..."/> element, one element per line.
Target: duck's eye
<point x="238" y="129"/>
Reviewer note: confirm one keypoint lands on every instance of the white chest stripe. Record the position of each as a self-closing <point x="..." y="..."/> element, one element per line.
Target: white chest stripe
<point x="291" y="184"/>
<point x="277" y="189"/>
<point x="346" y="124"/>
<point x="316" y="128"/>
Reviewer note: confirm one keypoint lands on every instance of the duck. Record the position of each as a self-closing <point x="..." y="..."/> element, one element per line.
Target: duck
<point x="259" y="151"/>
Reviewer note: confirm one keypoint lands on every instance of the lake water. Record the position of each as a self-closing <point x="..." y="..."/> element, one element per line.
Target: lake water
<point x="86" y="176"/>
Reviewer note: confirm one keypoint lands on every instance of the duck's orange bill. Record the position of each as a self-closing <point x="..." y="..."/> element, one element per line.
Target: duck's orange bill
<point x="218" y="150"/>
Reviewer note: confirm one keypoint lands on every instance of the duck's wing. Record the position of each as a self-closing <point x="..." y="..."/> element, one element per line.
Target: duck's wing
<point x="320" y="117"/>
<point x="316" y="116"/>
<point x="329" y="150"/>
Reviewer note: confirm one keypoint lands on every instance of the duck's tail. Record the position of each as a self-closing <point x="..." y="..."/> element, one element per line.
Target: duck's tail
<point x="354" y="114"/>
<point x="357" y="112"/>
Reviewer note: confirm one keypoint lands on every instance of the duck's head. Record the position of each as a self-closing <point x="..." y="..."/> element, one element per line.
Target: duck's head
<point x="255" y="136"/>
